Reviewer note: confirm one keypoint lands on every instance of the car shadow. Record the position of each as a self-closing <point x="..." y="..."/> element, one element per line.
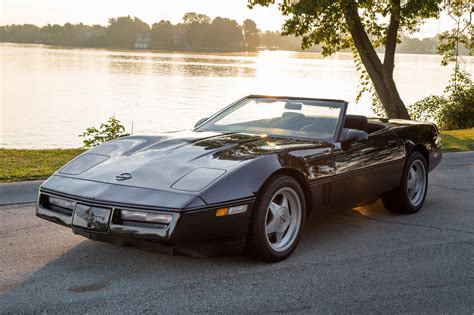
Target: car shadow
<point x="110" y="261"/>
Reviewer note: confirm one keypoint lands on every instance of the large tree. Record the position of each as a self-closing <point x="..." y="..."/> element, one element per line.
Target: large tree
<point x="123" y="31"/>
<point x="224" y="34"/>
<point x="196" y="30"/>
<point x="162" y="36"/>
<point x="196" y="18"/>
<point x="363" y="26"/>
<point x="251" y="34"/>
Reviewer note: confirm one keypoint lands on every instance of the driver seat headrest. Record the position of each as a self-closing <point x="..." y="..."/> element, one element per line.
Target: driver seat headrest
<point x="356" y="122"/>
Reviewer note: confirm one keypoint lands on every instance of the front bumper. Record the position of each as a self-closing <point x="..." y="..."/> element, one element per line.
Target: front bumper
<point x="194" y="232"/>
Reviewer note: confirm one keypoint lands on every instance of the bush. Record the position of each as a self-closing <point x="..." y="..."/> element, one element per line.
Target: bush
<point x="454" y="110"/>
<point x="113" y="129"/>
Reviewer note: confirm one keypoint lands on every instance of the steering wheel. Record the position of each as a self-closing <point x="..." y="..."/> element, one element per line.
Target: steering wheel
<point x="313" y="129"/>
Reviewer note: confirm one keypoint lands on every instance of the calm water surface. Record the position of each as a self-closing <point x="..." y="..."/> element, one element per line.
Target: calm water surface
<point x="51" y="95"/>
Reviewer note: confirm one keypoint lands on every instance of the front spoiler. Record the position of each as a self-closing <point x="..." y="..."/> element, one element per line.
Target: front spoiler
<point x="113" y="229"/>
<point x="197" y="233"/>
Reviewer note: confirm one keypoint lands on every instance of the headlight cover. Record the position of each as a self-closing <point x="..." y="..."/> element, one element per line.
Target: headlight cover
<point x="146" y="217"/>
<point x="83" y="163"/>
<point x="198" y="179"/>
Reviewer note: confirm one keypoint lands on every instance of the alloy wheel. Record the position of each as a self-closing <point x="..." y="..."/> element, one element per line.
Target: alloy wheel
<point x="283" y="219"/>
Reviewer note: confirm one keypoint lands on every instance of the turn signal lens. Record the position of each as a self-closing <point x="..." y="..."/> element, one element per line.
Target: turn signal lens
<point x="222" y="212"/>
<point x="232" y="210"/>
<point x="149" y="217"/>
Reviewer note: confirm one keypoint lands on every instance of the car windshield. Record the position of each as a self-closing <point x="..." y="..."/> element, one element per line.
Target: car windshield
<point x="276" y="116"/>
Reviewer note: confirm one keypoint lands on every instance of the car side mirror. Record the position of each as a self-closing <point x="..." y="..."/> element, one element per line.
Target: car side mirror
<point x="352" y="136"/>
<point x="200" y="121"/>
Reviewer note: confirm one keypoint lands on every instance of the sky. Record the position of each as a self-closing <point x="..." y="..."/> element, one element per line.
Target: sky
<point x="41" y="12"/>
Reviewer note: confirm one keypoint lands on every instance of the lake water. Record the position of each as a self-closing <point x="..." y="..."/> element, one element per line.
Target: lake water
<point x="51" y="95"/>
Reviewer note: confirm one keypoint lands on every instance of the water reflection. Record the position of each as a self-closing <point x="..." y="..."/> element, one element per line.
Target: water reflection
<point x="200" y="67"/>
<point x="50" y="94"/>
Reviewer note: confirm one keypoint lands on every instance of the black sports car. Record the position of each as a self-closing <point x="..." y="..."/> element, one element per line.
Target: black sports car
<point x="246" y="177"/>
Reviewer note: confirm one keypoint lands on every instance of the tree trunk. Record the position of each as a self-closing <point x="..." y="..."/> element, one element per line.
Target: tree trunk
<point x="380" y="74"/>
<point x="389" y="96"/>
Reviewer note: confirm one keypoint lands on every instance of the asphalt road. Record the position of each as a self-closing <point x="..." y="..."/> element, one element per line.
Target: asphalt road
<point x="360" y="260"/>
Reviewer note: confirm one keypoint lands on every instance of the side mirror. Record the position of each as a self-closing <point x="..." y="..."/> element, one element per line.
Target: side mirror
<point x="351" y="136"/>
<point x="200" y="121"/>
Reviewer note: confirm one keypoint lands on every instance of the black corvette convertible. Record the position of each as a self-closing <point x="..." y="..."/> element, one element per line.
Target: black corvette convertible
<point x="247" y="177"/>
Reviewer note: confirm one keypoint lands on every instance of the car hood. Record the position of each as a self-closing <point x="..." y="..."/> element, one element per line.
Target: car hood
<point x="180" y="161"/>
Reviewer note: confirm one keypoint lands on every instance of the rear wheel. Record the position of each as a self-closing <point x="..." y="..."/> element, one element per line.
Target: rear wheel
<point x="410" y="195"/>
<point x="278" y="220"/>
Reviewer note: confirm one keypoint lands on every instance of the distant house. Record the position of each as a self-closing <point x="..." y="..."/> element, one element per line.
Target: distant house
<point x="142" y="42"/>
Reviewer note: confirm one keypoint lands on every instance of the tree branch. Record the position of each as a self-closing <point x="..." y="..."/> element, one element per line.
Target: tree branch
<point x="361" y="40"/>
<point x="391" y="42"/>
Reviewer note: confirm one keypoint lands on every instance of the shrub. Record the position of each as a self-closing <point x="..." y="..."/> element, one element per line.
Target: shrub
<point x="113" y="129"/>
<point x="454" y="110"/>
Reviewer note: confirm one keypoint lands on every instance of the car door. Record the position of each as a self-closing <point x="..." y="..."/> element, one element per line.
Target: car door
<point x="367" y="168"/>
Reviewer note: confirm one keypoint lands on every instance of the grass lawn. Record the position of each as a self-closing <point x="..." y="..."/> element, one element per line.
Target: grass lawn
<point x="17" y="165"/>
<point x="458" y="140"/>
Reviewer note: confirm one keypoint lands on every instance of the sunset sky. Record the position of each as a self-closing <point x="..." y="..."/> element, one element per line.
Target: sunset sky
<point x="41" y="12"/>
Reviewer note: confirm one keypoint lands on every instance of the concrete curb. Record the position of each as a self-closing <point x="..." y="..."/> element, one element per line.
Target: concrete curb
<point x="19" y="192"/>
<point x="457" y="158"/>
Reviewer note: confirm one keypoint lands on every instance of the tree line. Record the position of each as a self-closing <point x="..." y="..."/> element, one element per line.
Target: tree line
<point x="407" y="45"/>
<point x="196" y="32"/>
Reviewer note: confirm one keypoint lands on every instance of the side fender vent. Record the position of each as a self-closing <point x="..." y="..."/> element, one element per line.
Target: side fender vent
<point x="326" y="198"/>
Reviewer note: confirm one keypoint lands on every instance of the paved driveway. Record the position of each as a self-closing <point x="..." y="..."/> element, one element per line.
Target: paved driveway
<point x="360" y="260"/>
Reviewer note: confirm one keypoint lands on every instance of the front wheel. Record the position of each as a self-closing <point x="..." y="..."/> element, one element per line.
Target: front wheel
<point x="410" y="195"/>
<point x="278" y="220"/>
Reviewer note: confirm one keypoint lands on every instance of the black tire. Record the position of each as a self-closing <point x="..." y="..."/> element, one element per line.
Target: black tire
<point x="398" y="200"/>
<point x="258" y="242"/>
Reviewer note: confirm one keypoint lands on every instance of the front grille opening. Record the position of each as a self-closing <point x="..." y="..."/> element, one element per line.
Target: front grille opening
<point x="126" y="218"/>
<point x="56" y="204"/>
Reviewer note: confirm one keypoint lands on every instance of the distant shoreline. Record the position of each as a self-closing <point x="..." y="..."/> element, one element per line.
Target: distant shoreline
<point x="192" y="51"/>
<point x="197" y="33"/>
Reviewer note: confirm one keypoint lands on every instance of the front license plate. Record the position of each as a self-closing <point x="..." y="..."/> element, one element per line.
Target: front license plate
<point x="91" y="218"/>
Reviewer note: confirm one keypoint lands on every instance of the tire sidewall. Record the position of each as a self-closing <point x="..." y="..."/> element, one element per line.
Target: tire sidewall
<point x="258" y="233"/>
<point x="413" y="157"/>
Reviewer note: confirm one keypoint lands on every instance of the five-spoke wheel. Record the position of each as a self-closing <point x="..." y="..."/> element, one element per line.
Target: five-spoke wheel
<point x="278" y="219"/>
<point x="416" y="182"/>
<point x="283" y="219"/>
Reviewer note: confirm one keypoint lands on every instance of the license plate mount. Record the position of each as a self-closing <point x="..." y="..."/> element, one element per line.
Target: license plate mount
<point x="91" y="218"/>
